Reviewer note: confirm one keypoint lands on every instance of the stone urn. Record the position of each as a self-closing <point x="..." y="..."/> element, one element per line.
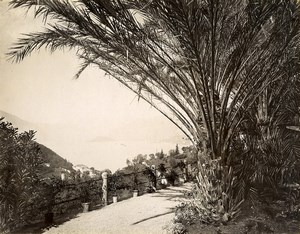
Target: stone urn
<point x="135" y="193"/>
<point x="115" y="198"/>
<point x="86" y="207"/>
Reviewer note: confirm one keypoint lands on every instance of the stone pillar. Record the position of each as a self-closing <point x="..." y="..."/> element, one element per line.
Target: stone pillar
<point x="63" y="176"/>
<point x="155" y="177"/>
<point x="186" y="171"/>
<point x="104" y="188"/>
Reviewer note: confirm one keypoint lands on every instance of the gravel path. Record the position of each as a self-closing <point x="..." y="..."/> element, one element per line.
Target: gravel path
<point x="145" y="214"/>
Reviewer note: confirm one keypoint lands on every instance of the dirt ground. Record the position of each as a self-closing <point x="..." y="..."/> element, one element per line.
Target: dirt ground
<point x="149" y="214"/>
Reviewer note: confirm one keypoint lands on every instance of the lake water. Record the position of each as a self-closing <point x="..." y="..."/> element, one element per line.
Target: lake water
<point x="111" y="155"/>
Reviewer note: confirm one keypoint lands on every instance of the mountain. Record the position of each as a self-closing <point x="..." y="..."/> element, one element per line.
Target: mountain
<point x="54" y="159"/>
<point x="21" y="124"/>
<point x="98" y="144"/>
<point x="42" y="130"/>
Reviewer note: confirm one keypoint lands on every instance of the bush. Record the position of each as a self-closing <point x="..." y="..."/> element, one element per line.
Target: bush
<point x="185" y="214"/>
<point x="20" y="169"/>
<point x="176" y="228"/>
<point x="172" y="176"/>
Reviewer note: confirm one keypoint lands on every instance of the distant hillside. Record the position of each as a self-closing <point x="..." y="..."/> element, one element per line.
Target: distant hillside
<point x="49" y="155"/>
<point x="54" y="159"/>
<point x="16" y="121"/>
<point x="23" y="125"/>
<point x="96" y="144"/>
<point x="55" y="162"/>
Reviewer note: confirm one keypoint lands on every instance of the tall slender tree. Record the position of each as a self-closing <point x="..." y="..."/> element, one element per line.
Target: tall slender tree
<point x="201" y="63"/>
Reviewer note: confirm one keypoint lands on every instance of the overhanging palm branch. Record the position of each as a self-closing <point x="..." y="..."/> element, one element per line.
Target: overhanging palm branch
<point x="205" y="61"/>
<point x="203" y="64"/>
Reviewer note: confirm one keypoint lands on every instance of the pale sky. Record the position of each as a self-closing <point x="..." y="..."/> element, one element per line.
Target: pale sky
<point x="50" y="78"/>
<point x="41" y="89"/>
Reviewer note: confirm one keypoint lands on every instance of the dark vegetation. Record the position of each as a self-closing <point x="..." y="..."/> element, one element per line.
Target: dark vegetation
<point x="31" y="189"/>
<point x="33" y="195"/>
<point x="225" y="72"/>
<point x="20" y="167"/>
<point x="54" y="159"/>
<point x="145" y="172"/>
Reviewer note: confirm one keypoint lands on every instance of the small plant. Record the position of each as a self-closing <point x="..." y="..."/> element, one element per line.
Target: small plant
<point x="185" y="214"/>
<point x="85" y="195"/>
<point x="176" y="228"/>
<point x="86" y="199"/>
<point x="152" y="180"/>
<point x="150" y="189"/>
<point x="52" y="186"/>
<point x="162" y="169"/>
<point x="113" y="185"/>
<point x="172" y="176"/>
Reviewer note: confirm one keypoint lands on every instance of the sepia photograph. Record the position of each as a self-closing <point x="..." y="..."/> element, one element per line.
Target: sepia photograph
<point x="149" y="116"/>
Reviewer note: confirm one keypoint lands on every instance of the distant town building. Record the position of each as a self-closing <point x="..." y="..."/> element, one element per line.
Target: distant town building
<point x="85" y="170"/>
<point x="82" y="168"/>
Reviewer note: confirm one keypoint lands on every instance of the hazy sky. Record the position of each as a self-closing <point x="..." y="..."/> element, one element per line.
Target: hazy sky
<point x="41" y="89"/>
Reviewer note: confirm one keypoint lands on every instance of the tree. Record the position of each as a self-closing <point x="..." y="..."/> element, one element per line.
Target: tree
<point x="270" y="152"/>
<point x="151" y="156"/>
<point x="139" y="159"/>
<point x="86" y="175"/>
<point x="177" y="150"/>
<point x="172" y="153"/>
<point x="172" y="176"/>
<point x="206" y="62"/>
<point x="172" y="162"/>
<point x="160" y="155"/>
<point x="162" y="168"/>
<point x="20" y="172"/>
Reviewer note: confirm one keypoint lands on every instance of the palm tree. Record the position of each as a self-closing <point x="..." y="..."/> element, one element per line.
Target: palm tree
<point x="202" y="64"/>
<point x="271" y="156"/>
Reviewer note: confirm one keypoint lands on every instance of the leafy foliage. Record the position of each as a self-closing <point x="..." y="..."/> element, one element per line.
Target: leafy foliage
<point x="219" y="70"/>
<point x="201" y="60"/>
<point x="20" y="170"/>
<point x="268" y="143"/>
<point x="54" y="159"/>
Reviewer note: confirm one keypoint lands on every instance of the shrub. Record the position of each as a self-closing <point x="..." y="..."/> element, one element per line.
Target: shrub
<point x="185" y="213"/>
<point x="172" y="176"/>
<point x="20" y="169"/>
<point x="176" y="228"/>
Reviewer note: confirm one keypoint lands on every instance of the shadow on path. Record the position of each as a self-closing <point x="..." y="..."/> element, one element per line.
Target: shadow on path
<point x="144" y="214"/>
<point x="169" y="194"/>
<point x="155" y="216"/>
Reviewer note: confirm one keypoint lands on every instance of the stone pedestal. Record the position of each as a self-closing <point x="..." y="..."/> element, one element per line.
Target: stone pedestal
<point x="104" y="188"/>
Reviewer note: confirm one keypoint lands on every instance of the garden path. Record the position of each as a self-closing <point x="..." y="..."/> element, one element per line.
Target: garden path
<point x="147" y="214"/>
